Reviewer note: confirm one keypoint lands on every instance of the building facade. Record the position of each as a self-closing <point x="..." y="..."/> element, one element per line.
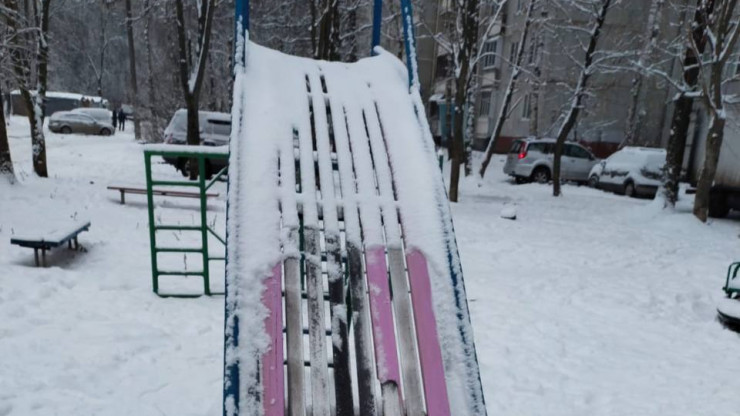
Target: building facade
<point x="621" y="106"/>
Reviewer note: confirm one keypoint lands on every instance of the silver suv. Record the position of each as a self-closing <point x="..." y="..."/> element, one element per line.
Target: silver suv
<point x="531" y="160"/>
<point x="215" y="130"/>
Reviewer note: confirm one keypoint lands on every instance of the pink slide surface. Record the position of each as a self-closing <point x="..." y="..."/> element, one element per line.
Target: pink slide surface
<point x="272" y="359"/>
<point x="382" y="316"/>
<point x="430" y="354"/>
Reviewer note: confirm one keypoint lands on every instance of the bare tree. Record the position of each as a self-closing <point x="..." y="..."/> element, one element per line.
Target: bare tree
<point x="6" y="162"/>
<point x="599" y="9"/>
<point x="683" y="105"/>
<point x="722" y="35"/>
<point x="636" y="111"/>
<point x="325" y="21"/>
<point x="29" y="51"/>
<point x="132" y="66"/>
<point x="191" y="75"/>
<point x="511" y="86"/>
<point x="467" y="21"/>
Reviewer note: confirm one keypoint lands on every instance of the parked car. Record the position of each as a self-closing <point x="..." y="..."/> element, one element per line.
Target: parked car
<point x="100" y="114"/>
<point x="531" y="160"/>
<point x="67" y="122"/>
<point x="632" y="171"/>
<point x="215" y="130"/>
<point x="128" y="110"/>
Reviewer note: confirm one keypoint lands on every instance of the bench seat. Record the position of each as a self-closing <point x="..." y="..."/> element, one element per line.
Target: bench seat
<point x="141" y="190"/>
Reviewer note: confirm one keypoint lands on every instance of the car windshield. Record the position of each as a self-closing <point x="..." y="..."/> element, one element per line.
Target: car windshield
<point x="180" y="121"/>
<point x="655" y="162"/>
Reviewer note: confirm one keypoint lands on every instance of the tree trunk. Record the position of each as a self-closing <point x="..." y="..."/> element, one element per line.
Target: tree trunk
<point x="709" y="169"/>
<point x="725" y="37"/>
<point x="22" y="69"/>
<point x="636" y="112"/>
<point x="575" y="108"/>
<point x="684" y="105"/>
<point x="191" y="79"/>
<point x="43" y="65"/>
<point x="6" y="163"/>
<point x="103" y="41"/>
<point x="132" y="67"/>
<point x="504" y="109"/>
<point x="462" y="92"/>
<point x="38" y="143"/>
<point x="352" y="34"/>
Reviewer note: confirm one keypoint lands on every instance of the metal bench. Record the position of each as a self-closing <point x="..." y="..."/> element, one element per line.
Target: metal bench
<point x="123" y="189"/>
<point x="56" y="237"/>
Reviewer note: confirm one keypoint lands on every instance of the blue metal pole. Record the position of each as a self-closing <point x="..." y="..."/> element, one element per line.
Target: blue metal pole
<point x="241" y="29"/>
<point x="231" y="386"/>
<point x="377" y="23"/>
<point x="409" y="41"/>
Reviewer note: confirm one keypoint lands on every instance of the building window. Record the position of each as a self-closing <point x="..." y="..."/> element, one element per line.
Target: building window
<point x="485" y="104"/>
<point x="489" y="53"/>
<point x="518" y="5"/>
<point x="513" y="52"/>
<point x="527" y="107"/>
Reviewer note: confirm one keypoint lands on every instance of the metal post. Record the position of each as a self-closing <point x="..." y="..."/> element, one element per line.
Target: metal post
<point x="152" y="229"/>
<point x="241" y="30"/>
<point x="204" y="222"/>
<point x="409" y="41"/>
<point x="377" y="23"/>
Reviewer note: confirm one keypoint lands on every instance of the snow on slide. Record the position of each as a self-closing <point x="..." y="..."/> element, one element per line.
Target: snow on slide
<point x="315" y="144"/>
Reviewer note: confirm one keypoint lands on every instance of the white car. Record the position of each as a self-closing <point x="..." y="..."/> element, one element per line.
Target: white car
<point x="632" y="171"/>
<point x="531" y="160"/>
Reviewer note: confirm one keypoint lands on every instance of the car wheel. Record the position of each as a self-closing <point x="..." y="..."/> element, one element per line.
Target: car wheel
<point x="183" y="165"/>
<point x="105" y="132"/>
<point x="541" y="175"/>
<point x="593" y="181"/>
<point x="718" y="207"/>
<point x="65" y="130"/>
<point x="629" y="190"/>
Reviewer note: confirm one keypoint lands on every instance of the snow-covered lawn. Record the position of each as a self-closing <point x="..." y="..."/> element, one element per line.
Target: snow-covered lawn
<point x="591" y="304"/>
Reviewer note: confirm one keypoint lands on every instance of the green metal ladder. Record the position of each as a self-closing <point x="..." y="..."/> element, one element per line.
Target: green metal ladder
<point x="203" y="228"/>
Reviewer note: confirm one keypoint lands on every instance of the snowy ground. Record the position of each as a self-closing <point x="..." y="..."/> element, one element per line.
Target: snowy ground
<point x="591" y="304"/>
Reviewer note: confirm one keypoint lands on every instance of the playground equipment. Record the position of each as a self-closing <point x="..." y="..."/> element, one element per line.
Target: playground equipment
<point x="728" y="309"/>
<point x="344" y="291"/>
<point x="202" y="185"/>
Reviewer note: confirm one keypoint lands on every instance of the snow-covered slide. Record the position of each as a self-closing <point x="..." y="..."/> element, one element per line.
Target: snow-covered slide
<point x="344" y="289"/>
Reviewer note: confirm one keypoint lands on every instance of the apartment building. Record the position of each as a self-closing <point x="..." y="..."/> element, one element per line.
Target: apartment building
<point x="553" y="51"/>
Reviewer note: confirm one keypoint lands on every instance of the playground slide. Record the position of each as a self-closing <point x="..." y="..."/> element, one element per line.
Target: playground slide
<point x="344" y="289"/>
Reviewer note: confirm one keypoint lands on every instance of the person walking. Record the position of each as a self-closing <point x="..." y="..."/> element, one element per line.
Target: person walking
<point x="114" y="119"/>
<point x="121" y="119"/>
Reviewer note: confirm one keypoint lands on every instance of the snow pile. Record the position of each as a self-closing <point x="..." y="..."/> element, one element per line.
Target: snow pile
<point x="86" y="335"/>
<point x="589" y="304"/>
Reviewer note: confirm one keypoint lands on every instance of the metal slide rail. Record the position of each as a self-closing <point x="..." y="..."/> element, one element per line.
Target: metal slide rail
<point x="202" y="185"/>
